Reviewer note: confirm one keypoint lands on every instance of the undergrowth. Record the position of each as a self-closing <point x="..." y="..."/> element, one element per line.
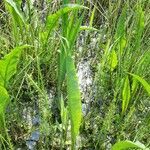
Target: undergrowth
<point x="42" y="44"/>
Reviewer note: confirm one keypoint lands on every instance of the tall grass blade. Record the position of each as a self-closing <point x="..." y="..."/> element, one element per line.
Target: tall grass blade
<point x="73" y="33"/>
<point x="92" y="16"/>
<point x="139" y="27"/>
<point x="121" y="24"/>
<point x="15" y="9"/>
<point x="145" y="84"/>
<point x="89" y="28"/>
<point x="125" y="95"/>
<point x="120" y="31"/>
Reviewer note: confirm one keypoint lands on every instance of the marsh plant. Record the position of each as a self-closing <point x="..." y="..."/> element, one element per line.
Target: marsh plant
<point x="41" y="45"/>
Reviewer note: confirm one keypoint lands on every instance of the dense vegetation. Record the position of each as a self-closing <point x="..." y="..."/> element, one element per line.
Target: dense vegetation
<point x="45" y="47"/>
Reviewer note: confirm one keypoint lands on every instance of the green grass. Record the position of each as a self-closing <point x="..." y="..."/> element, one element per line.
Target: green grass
<point x="119" y="107"/>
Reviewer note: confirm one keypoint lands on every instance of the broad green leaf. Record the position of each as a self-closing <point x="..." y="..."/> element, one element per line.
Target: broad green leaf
<point x="125" y="95"/>
<point x="123" y="145"/>
<point x="4" y="100"/>
<point x="70" y="29"/>
<point x="113" y="61"/>
<point x="14" y="6"/>
<point x="74" y="98"/>
<point x="8" y="65"/>
<point x="53" y="18"/>
<point x="143" y="82"/>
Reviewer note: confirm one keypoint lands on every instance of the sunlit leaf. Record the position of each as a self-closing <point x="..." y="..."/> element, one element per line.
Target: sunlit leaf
<point x="71" y="23"/>
<point x="4" y="100"/>
<point x="125" y="95"/>
<point x="74" y="98"/>
<point x="122" y="43"/>
<point x="8" y="65"/>
<point x="113" y="61"/>
<point x="123" y="145"/>
<point x="134" y="85"/>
